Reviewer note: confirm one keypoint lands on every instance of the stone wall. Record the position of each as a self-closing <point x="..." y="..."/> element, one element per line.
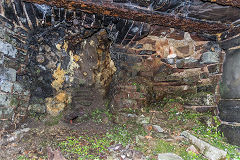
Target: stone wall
<point x="14" y="97"/>
<point x="168" y="64"/>
<point x="50" y="65"/>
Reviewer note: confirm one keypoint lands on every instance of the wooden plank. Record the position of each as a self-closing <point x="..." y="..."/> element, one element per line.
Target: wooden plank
<point x="105" y="7"/>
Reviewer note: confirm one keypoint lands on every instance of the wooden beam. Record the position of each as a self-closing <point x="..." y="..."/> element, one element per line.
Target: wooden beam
<point x="105" y="7"/>
<point x="234" y="3"/>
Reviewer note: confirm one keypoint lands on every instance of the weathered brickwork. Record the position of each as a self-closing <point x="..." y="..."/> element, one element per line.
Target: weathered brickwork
<point x="168" y="64"/>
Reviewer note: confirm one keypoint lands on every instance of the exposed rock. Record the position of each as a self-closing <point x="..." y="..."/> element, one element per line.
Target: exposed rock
<point x="168" y="156"/>
<point x="210" y="58"/>
<point x="5" y="99"/>
<point x="143" y="120"/>
<point x="187" y="63"/>
<point x="192" y="149"/>
<point x="7" y="49"/>
<point x="8" y="74"/>
<point x="17" y="135"/>
<point x="125" y="153"/>
<point x="158" y="128"/>
<point x="211" y="152"/>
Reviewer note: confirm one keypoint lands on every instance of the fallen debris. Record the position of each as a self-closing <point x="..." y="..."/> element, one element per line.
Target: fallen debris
<point x="17" y="135"/>
<point x="209" y="151"/>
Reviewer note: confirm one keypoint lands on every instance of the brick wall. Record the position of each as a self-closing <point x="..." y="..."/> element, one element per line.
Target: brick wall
<point x="169" y="64"/>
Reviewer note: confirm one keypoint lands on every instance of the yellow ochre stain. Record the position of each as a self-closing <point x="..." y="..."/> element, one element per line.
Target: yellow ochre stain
<point x="76" y="58"/>
<point x="65" y="46"/>
<point x="219" y="36"/>
<point x="61" y="97"/>
<point x="59" y="76"/>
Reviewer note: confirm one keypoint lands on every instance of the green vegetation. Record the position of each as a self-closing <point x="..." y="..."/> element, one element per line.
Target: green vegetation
<point x="175" y="120"/>
<point x="98" y="115"/>
<point x="22" y="158"/>
<point x="94" y="147"/>
<point x="206" y="128"/>
<point x="166" y="147"/>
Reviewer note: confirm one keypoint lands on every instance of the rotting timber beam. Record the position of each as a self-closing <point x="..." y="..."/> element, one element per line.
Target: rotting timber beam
<point x="105" y="7"/>
<point x="234" y="3"/>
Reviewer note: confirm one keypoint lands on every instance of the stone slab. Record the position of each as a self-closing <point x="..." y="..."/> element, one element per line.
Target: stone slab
<point x="168" y="156"/>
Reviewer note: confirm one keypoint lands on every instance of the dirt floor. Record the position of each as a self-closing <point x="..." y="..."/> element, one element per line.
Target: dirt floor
<point x="48" y="131"/>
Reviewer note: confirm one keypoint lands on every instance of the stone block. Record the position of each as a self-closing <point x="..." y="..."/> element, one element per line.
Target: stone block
<point x="206" y="88"/>
<point x="209" y="57"/>
<point x="173" y="91"/>
<point x="168" y="156"/>
<point x="5" y="99"/>
<point x="6" y="86"/>
<point x="200" y="99"/>
<point x="214" y="69"/>
<point x="229" y="110"/>
<point x="188" y="63"/>
<point x="7" y="49"/>
<point x="8" y="74"/>
<point x="6" y="113"/>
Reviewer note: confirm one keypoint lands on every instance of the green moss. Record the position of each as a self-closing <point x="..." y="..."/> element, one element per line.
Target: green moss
<point x="85" y="147"/>
<point x="14" y="101"/>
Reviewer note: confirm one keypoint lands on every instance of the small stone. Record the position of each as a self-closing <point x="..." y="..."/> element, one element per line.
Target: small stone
<point x="132" y="115"/>
<point x="47" y="48"/>
<point x="193" y="149"/>
<point x="129" y="153"/>
<point x="40" y="58"/>
<point x="115" y="147"/>
<point x="158" y="128"/>
<point x="169" y="156"/>
<point x="75" y="22"/>
<point x="138" y="155"/>
<point x="123" y="156"/>
<point x="143" y="120"/>
<point x="58" y="46"/>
